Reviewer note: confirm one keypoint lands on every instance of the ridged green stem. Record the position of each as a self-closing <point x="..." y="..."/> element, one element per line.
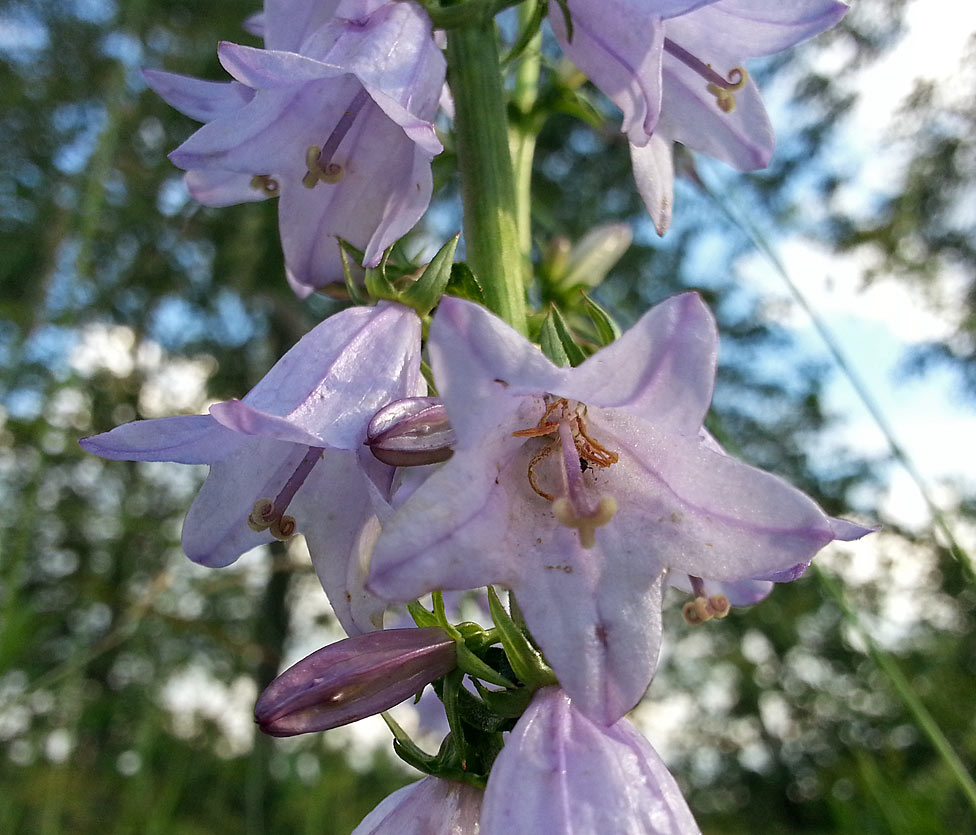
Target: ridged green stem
<point x="485" y="165"/>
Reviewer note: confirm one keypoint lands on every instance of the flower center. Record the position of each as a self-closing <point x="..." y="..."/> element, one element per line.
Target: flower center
<point x="318" y="161"/>
<point x="575" y="506"/>
<point x="724" y="89"/>
<point x="704" y="608"/>
<point x="269" y="514"/>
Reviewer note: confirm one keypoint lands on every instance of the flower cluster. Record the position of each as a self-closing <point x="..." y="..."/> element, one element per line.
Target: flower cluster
<point x="575" y="474"/>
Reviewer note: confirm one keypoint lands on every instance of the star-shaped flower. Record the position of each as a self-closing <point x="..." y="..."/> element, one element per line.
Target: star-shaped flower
<point x="580" y="489"/>
<point x="295" y="444"/>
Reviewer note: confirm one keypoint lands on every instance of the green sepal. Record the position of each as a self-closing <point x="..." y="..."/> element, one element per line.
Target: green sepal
<point x="507" y="703"/>
<point x="527" y="662"/>
<point x="471" y="664"/>
<point x="352" y="287"/>
<point x="527" y="33"/>
<point x="465" y="285"/>
<point x="377" y="283"/>
<point x="478" y="714"/>
<point x="449" y="693"/>
<point x="420" y="615"/>
<point x="428" y="373"/>
<point x="550" y="343"/>
<point x="556" y="337"/>
<point x="427" y="290"/>
<point x="607" y="329"/>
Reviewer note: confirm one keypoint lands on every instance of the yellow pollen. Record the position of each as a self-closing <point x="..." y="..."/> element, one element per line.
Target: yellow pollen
<point x="725" y="96"/>
<point x="330" y="173"/>
<point x="586" y="523"/>
<point x="703" y="609"/>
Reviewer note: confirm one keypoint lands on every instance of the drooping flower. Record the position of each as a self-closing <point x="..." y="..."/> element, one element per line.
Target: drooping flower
<point x="580" y="489"/>
<point x="431" y="806"/>
<point x="563" y="774"/>
<point x="295" y="444"/>
<point x="334" y="117"/>
<point x="675" y="69"/>
<point x="354" y="678"/>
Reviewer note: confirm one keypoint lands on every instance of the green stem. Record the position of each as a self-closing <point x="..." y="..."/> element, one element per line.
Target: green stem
<point x="485" y="165"/>
<point x="522" y="134"/>
<point x="905" y="692"/>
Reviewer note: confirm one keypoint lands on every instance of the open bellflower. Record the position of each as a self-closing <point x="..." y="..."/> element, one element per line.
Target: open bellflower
<point x="290" y="455"/>
<point x="675" y="69"/>
<point x="333" y="117"/>
<point x="580" y="489"/>
<point x="562" y="774"/>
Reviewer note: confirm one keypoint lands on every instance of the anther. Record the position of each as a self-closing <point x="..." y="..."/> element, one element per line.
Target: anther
<point x="266" y="183"/>
<point x="703" y="609"/>
<point x="268" y="515"/>
<point x="283" y="528"/>
<point x="261" y="516"/>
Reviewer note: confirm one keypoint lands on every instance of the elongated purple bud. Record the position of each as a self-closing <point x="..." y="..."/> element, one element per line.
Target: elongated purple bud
<point x="411" y="432"/>
<point x="354" y="678"/>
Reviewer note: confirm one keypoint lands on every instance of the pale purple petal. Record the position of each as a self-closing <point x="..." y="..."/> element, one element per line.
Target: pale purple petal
<point x="750" y="28"/>
<point x="340" y="529"/>
<point x="189" y="439"/>
<point x="216" y="532"/>
<point x="431" y="806"/>
<point x="561" y="774"/>
<point x="476" y="357"/>
<point x="661" y="369"/>
<point x="741" y="593"/>
<point x="289" y="22"/>
<point x="196" y="98"/>
<point x="654" y="175"/>
<point x="336" y="378"/>
<point x="217" y="188"/>
<point x="265" y="69"/>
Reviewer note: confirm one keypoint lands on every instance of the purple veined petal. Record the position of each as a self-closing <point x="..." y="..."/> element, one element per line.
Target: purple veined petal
<point x="196" y="98"/>
<point x="225" y="188"/>
<point x="216" y="532"/>
<point x="690" y="115"/>
<point x="289" y="22"/>
<point x="707" y="514"/>
<point x="272" y="132"/>
<point x="846" y="531"/>
<point x="266" y="69"/>
<point x="393" y="51"/>
<point x="340" y="529"/>
<point x="475" y="356"/>
<point x="596" y="619"/>
<point x="561" y="774"/>
<point x="334" y="380"/>
<point x="431" y="806"/>
<point x="654" y="174"/>
<point x="662" y="369"/>
<point x="750" y="28"/>
<point x="187" y="439"/>
<point x="617" y="44"/>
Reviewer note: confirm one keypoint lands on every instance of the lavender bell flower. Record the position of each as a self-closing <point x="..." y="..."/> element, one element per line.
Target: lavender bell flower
<point x="580" y="489"/>
<point x="290" y="455"/>
<point x="431" y="806"/>
<point x="354" y="678"/>
<point x="562" y="774"/>
<point x="335" y="118"/>
<point x="675" y="69"/>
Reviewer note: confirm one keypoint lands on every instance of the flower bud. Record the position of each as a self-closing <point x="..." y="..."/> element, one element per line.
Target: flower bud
<point x="354" y="678"/>
<point x="411" y="432"/>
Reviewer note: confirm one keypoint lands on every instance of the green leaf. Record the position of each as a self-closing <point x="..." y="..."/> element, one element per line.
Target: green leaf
<point x="526" y="660"/>
<point x="465" y="285"/>
<point x="606" y="328"/>
<point x="527" y="33"/>
<point x="377" y="284"/>
<point x="471" y="664"/>
<point x="421" y="616"/>
<point x="567" y="18"/>
<point x="427" y="290"/>
<point x="352" y="286"/>
<point x="572" y="351"/>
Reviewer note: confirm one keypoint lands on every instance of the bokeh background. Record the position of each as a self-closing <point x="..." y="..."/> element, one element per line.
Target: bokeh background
<point x="843" y="279"/>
